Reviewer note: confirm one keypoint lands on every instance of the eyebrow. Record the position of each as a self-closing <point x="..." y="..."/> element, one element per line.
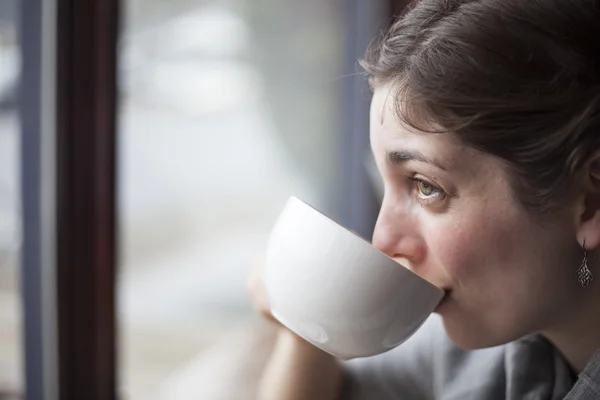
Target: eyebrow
<point x="397" y="157"/>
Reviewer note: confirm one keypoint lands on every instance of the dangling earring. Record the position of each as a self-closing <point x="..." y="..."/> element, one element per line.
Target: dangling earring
<point x="584" y="275"/>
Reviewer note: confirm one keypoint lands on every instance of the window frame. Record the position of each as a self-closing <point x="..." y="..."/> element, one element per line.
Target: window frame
<point x="68" y="103"/>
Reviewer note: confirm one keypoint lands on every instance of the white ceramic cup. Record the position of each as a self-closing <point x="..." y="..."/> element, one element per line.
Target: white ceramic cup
<point x="337" y="291"/>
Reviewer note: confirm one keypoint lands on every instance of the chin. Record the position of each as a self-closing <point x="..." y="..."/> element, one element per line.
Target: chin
<point x="472" y="336"/>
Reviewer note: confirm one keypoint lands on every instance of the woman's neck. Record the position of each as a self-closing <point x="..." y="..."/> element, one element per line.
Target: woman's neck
<point x="577" y="335"/>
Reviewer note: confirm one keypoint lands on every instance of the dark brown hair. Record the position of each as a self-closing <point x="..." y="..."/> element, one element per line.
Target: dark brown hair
<point x="518" y="79"/>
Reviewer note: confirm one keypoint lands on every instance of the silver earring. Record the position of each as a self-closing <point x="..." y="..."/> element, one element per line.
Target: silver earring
<point x="584" y="275"/>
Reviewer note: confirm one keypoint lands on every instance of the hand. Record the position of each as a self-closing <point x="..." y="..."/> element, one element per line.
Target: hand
<point x="296" y="369"/>
<point x="258" y="291"/>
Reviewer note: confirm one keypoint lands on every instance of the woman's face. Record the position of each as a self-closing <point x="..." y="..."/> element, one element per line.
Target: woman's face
<point x="448" y="210"/>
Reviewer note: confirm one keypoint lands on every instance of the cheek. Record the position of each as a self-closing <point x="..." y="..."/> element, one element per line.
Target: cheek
<point x="482" y="260"/>
<point x="454" y="251"/>
<point x="479" y="247"/>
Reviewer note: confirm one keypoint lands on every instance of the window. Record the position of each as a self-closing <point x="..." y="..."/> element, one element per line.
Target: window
<point x="227" y="108"/>
<point x="11" y="367"/>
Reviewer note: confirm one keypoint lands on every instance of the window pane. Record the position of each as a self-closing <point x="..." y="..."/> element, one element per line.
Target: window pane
<point x="227" y="108"/>
<point x="11" y="380"/>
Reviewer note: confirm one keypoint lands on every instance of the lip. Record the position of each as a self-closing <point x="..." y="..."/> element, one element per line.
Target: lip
<point x="442" y="302"/>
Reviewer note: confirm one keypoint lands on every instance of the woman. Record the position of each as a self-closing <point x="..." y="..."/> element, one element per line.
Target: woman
<point x="485" y="126"/>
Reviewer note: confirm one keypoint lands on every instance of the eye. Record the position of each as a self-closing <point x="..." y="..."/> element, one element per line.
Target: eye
<point x="427" y="192"/>
<point x="426" y="188"/>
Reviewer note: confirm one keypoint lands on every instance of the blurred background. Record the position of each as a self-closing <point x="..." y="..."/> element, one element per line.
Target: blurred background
<point x="11" y="359"/>
<point x="226" y="108"/>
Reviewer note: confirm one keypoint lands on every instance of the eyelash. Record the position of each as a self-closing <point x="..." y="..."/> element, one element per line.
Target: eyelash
<point x="438" y="195"/>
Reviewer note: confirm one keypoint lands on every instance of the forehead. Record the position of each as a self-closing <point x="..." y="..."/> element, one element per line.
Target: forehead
<point x="388" y="132"/>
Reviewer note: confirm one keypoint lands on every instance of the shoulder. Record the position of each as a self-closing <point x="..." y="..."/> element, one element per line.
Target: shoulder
<point x="529" y="367"/>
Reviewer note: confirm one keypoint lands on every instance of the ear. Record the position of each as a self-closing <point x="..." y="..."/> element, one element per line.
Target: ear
<point x="589" y="204"/>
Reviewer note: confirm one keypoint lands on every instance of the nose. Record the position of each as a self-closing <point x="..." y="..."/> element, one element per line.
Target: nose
<point x="397" y="234"/>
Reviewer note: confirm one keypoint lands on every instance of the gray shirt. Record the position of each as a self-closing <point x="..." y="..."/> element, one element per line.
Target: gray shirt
<point x="430" y="366"/>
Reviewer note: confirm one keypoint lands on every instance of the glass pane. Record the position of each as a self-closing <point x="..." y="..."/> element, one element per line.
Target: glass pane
<point x="227" y="108"/>
<point x="11" y="367"/>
